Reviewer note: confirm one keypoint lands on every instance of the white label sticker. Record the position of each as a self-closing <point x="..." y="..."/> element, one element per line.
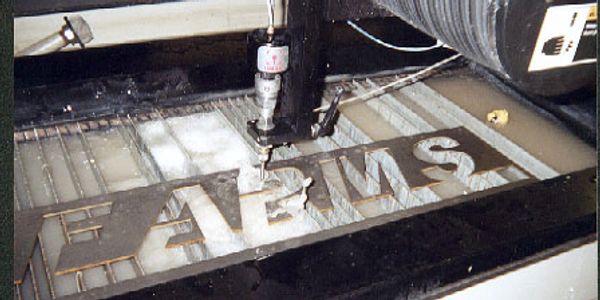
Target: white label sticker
<point x="272" y="59"/>
<point x="559" y="37"/>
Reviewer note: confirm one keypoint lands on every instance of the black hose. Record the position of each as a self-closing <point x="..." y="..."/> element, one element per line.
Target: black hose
<point x="498" y="34"/>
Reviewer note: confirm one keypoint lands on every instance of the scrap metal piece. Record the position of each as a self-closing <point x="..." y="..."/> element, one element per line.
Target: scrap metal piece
<point x="498" y="117"/>
<point x="276" y="213"/>
<point x="283" y="209"/>
<point x="318" y="194"/>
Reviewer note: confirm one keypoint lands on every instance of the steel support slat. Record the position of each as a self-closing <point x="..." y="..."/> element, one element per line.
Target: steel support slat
<point x="235" y="112"/>
<point x="48" y="174"/>
<point x="401" y="109"/>
<point x="17" y="289"/>
<point x="193" y="252"/>
<point x="19" y="162"/>
<point x="80" y="282"/>
<point x="455" y="116"/>
<point x="405" y="111"/>
<point x="34" y="281"/>
<point x="70" y="166"/>
<point x="16" y="200"/>
<point x="46" y="266"/>
<point x="398" y="109"/>
<point x="139" y="268"/>
<point x="92" y="160"/>
<point x="77" y="183"/>
<point x="358" y="137"/>
<point x="189" y="161"/>
<point x="45" y="166"/>
<point x="128" y="131"/>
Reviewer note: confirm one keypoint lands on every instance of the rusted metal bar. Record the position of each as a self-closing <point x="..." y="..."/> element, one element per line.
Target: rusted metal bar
<point x="63" y="224"/>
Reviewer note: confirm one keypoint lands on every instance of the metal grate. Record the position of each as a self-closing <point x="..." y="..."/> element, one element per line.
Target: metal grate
<point x="79" y="160"/>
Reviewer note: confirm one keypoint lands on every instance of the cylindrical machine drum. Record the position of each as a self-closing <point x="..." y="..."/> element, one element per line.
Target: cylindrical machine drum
<point x="544" y="47"/>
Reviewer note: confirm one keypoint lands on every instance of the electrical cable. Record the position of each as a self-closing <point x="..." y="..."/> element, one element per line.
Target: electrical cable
<point x="360" y="30"/>
<point x="368" y="95"/>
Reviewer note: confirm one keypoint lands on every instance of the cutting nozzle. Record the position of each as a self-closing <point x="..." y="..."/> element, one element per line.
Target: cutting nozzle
<point x="264" y="154"/>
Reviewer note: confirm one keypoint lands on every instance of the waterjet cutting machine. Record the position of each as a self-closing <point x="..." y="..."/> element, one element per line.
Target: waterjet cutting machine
<point x="304" y="149"/>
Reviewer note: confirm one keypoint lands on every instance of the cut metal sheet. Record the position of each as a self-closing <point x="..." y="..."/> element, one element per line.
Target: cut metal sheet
<point x="401" y="152"/>
<point x="133" y="213"/>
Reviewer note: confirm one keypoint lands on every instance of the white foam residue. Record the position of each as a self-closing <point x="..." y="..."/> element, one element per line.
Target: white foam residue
<point x="214" y="146"/>
<point x="211" y="143"/>
<point x="257" y="230"/>
<point x="249" y="179"/>
<point x="153" y="255"/>
<point x="164" y="150"/>
<point x="218" y="236"/>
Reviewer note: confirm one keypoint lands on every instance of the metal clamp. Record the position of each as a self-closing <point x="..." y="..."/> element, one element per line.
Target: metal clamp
<point x="325" y="126"/>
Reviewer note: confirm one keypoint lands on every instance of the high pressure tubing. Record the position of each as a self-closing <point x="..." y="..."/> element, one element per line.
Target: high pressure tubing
<point x="360" y="30"/>
<point x="271" y="13"/>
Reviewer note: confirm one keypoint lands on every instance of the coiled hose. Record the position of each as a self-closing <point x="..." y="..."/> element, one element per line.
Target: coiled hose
<point x="498" y="34"/>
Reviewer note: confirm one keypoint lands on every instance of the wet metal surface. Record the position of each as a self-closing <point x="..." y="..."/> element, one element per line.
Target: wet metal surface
<point x="439" y="152"/>
<point x="415" y="256"/>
